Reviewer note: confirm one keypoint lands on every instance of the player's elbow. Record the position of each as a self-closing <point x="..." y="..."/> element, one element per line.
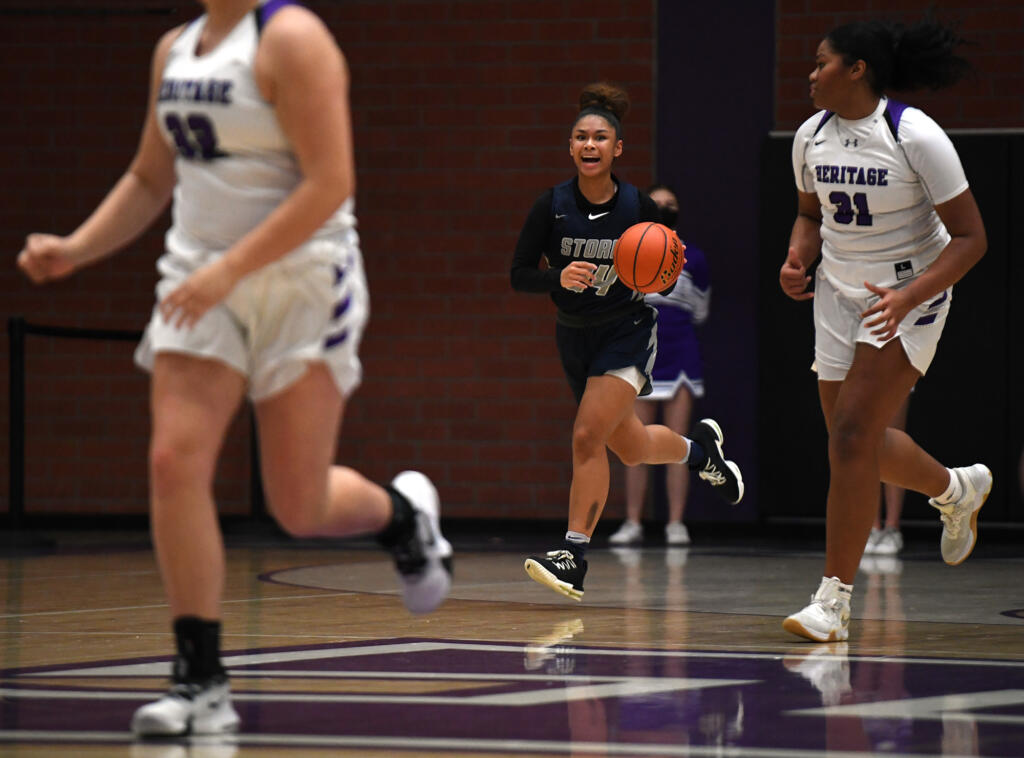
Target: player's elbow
<point x="339" y="186"/>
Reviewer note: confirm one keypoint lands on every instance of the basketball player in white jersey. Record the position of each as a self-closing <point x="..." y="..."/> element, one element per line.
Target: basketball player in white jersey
<point x="262" y="294"/>
<point x="884" y="200"/>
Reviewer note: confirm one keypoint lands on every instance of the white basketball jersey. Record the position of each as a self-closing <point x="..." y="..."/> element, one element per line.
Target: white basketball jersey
<point x="234" y="163"/>
<point x="878" y="180"/>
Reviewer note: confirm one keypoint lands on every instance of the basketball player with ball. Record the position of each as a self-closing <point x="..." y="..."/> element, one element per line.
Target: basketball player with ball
<point x="604" y="248"/>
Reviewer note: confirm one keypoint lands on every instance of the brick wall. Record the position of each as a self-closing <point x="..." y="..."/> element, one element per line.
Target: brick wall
<point x="994" y="98"/>
<point x="461" y="117"/>
<point x="461" y="112"/>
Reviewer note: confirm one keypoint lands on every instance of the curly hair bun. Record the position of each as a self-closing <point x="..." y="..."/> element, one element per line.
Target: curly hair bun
<point x="607" y="97"/>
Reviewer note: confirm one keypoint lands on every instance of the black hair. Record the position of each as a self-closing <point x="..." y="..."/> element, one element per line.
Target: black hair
<point x="902" y="57"/>
<point x="609" y="101"/>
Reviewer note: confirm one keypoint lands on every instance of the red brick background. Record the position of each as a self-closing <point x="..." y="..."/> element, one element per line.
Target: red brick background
<point x="994" y="98"/>
<point x="461" y="112"/>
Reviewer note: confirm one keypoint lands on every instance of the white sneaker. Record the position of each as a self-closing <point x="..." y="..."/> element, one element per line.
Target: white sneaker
<point x="872" y="544"/>
<point x="827" y="667"/>
<point x="889" y="542"/>
<point x="677" y="534"/>
<point x="424" y="562"/>
<point x="827" y="618"/>
<point x="188" y="709"/>
<point x="960" y="519"/>
<point x="630" y="533"/>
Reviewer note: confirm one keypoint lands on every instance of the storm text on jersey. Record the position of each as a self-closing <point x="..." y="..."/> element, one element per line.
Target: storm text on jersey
<point x="588" y="248"/>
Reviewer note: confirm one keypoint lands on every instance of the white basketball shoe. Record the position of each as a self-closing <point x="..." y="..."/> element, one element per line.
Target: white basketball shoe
<point x="424" y="561"/>
<point x="960" y="518"/>
<point x="827" y="618"/>
<point x="189" y="708"/>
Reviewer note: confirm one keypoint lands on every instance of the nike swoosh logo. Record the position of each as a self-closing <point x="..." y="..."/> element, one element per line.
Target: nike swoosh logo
<point x="559" y="215"/>
<point x="592" y="216"/>
<point x="819" y="142"/>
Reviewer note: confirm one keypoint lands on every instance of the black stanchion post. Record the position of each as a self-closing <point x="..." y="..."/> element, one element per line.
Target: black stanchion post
<point x="16" y="424"/>
<point x="15" y="538"/>
<point x="258" y="501"/>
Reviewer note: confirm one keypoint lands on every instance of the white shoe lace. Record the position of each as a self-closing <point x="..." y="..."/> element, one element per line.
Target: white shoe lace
<point x="562" y="559"/>
<point x="951" y="521"/>
<point x="712" y="475"/>
<point x="832" y="603"/>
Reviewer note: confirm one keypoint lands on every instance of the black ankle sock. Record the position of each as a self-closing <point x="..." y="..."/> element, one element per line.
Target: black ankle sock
<point x="578" y="549"/>
<point x="698" y="456"/>
<point x="403" y="519"/>
<point x="198" y="643"/>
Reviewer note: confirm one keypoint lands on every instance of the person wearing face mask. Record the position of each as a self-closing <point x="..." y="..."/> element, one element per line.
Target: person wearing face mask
<point x="677" y="379"/>
<point x="606" y="333"/>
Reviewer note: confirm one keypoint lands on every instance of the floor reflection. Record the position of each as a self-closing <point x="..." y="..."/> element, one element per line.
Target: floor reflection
<point x="675" y="652"/>
<point x="824" y="701"/>
<point x="194" y="747"/>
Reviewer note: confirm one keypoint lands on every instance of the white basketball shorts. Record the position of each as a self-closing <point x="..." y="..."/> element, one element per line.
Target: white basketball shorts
<point x="838" y="327"/>
<point x="307" y="307"/>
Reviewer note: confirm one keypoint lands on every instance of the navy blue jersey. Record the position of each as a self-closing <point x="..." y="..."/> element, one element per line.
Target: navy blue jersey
<point x="564" y="227"/>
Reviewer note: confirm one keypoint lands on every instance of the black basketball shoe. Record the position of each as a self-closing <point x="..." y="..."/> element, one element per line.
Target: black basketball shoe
<point x="560" y="571"/>
<point x="721" y="474"/>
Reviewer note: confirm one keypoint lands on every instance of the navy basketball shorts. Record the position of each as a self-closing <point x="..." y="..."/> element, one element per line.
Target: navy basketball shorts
<point x="631" y="341"/>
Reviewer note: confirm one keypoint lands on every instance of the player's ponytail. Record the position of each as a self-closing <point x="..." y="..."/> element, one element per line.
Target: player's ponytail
<point x="902" y="57"/>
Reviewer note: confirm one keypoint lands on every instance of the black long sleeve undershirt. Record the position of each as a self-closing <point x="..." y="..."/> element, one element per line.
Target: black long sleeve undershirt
<point x="526" y="275"/>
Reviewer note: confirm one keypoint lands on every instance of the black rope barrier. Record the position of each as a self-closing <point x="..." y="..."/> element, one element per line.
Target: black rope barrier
<point x="17" y="330"/>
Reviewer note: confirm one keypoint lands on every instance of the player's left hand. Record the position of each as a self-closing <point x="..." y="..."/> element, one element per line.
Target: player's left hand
<point x="890" y="310"/>
<point x="202" y="290"/>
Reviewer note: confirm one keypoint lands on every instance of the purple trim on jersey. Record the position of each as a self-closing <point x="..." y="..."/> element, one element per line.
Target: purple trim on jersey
<point x="925" y="320"/>
<point x="824" y="117"/>
<point x="335" y="339"/>
<point x="341" y="307"/>
<point x="339" y="273"/>
<point x="939" y="301"/>
<point x="895" y="109"/>
<point x="271" y="7"/>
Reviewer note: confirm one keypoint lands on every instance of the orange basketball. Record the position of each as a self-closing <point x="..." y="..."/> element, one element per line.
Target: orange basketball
<point x="649" y="257"/>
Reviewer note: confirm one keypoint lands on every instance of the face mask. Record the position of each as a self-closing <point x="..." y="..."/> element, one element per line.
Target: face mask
<point x="669" y="216"/>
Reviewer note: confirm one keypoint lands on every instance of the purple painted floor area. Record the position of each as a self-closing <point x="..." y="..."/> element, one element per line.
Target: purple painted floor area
<point x="820" y="702"/>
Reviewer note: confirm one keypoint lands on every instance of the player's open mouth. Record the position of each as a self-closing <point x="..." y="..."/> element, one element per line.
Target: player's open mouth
<point x="590" y="159"/>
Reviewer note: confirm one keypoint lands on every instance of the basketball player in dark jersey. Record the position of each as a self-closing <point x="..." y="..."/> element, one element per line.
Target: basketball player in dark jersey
<point x="606" y="333"/>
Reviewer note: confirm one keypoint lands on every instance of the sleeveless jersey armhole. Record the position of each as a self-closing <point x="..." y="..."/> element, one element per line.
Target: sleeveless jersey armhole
<point x="264" y="12"/>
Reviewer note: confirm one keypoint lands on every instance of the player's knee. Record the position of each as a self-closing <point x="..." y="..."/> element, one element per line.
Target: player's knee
<point x="848" y="440"/>
<point x="586" y="441"/>
<point x="299" y="514"/>
<point x="171" y="467"/>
